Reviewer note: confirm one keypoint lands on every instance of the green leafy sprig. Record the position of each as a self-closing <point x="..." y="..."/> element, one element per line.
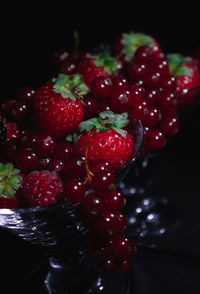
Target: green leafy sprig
<point x="72" y="87"/>
<point x="106" y="120"/>
<point x="9" y="180"/>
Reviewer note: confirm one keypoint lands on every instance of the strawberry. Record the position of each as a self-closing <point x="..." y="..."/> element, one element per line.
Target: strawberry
<point x="186" y="71"/>
<point x="10" y="183"/>
<point x="58" y="105"/>
<point x="125" y="45"/>
<point x="41" y="188"/>
<point x="94" y="66"/>
<point x="103" y="138"/>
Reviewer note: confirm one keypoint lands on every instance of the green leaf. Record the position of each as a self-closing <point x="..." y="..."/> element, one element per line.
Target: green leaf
<point x="65" y="84"/>
<point x="108" y="62"/>
<point x="183" y="71"/>
<point x="9" y="180"/>
<point x="132" y="41"/>
<point x="69" y="138"/>
<point x="119" y="131"/>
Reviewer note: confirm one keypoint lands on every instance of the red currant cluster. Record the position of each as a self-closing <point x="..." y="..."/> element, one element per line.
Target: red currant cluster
<point x="69" y="138"/>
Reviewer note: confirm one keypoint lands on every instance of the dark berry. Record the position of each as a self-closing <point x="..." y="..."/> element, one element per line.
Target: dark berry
<point x="18" y="111"/>
<point x="74" y="190"/>
<point x="102" y="182"/>
<point x="155" y="139"/>
<point x="44" y="145"/>
<point x="120" y="100"/>
<point x="92" y="205"/>
<point x="169" y="125"/>
<point x="113" y="201"/>
<point x="91" y="106"/>
<point x="26" y="160"/>
<point x="120" y="82"/>
<point x="122" y="247"/>
<point x="101" y="87"/>
<point x="63" y="150"/>
<point x="26" y="94"/>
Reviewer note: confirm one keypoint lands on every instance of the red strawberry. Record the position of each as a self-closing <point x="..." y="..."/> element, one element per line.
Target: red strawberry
<point x="92" y="67"/>
<point x="58" y="105"/>
<point x="10" y="182"/>
<point x="42" y="188"/>
<point x="104" y="139"/>
<point x="126" y="44"/>
<point x="186" y="71"/>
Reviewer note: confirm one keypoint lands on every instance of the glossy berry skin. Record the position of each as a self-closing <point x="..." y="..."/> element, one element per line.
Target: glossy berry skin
<point x="90" y="106"/>
<point x="44" y="145"/>
<point x="152" y="118"/>
<point x="96" y="166"/>
<point x="74" y="166"/>
<point x="124" y="265"/>
<point x="26" y="160"/>
<point x="120" y="100"/>
<point x="168" y="103"/>
<point x="18" y="111"/>
<point x="108" y="224"/>
<point x="92" y="205"/>
<point x="63" y="150"/>
<point x="59" y="116"/>
<point x="169" y="84"/>
<point x="42" y="188"/>
<point x="55" y="165"/>
<point x="169" y="125"/>
<point x="102" y="182"/>
<point x="138" y="71"/>
<point x="120" y="82"/>
<point x="155" y="139"/>
<point x="143" y="54"/>
<point x="101" y="87"/>
<point x="122" y="247"/>
<point x="107" y="265"/>
<point x="113" y="201"/>
<point x="74" y="190"/>
<point x="108" y="145"/>
<point x="152" y="96"/>
<point x="139" y="109"/>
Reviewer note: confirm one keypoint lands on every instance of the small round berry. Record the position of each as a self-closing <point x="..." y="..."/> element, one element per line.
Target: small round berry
<point x="26" y="160"/>
<point x="75" y="166"/>
<point x="92" y="205"/>
<point x="152" y="118"/>
<point x="143" y="54"/>
<point x="101" y="87"/>
<point x="55" y="165"/>
<point x="104" y="105"/>
<point x="122" y="247"/>
<point x="169" y="125"/>
<point x="102" y="182"/>
<point x="124" y="266"/>
<point x="138" y="71"/>
<point x="74" y="190"/>
<point x="63" y="150"/>
<point x="168" y="103"/>
<point x="18" y="111"/>
<point x="98" y="165"/>
<point x="108" y="224"/>
<point x="153" y="80"/>
<point x="113" y="201"/>
<point x="139" y="109"/>
<point x="152" y="97"/>
<point x="169" y="83"/>
<point x="90" y="106"/>
<point x="44" y="145"/>
<point x="120" y="82"/>
<point x="120" y="100"/>
<point x="155" y="139"/>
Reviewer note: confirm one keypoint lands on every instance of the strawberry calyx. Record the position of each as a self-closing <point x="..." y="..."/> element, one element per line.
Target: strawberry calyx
<point x="106" y="120"/>
<point x="71" y="87"/>
<point x="9" y="180"/>
<point x="178" y="65"/>
<point x="132" y="41"/>
<point x="108" y="62"/>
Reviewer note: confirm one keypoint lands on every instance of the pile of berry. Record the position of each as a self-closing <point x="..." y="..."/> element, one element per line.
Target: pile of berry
<point x="69" y="138"/>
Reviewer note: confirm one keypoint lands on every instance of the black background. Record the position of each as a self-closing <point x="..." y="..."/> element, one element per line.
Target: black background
<point x="29" y="36"/>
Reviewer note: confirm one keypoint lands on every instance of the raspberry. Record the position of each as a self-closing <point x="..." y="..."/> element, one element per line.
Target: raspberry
<point x="42" y="188"/>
